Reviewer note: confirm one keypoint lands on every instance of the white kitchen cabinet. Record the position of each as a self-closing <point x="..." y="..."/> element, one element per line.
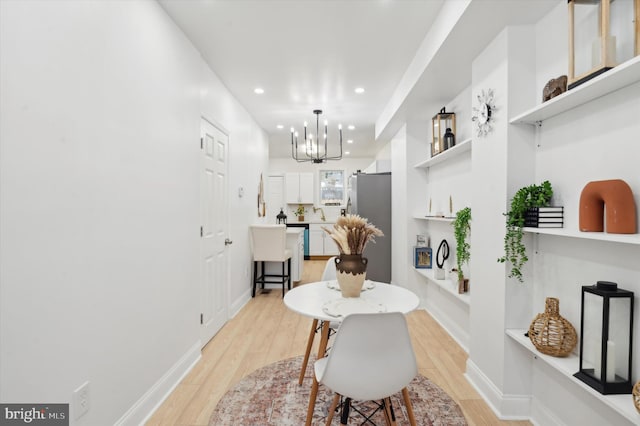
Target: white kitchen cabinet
<point x="299" y="188"/>
<point x="316" y="240"/>
<point x="320" y="243"/>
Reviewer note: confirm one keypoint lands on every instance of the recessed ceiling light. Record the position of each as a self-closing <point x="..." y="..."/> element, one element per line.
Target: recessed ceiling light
<point x="280" y="126"/>
<point x="347" y="152"/>
<point x="258" y="90"/>
<point x="351" y="127"/>
<point x="349" y="140"/>
<point x="359" y="90"/>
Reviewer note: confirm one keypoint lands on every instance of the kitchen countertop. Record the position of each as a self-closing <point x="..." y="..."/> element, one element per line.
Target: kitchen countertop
<point x="315" y="222"/>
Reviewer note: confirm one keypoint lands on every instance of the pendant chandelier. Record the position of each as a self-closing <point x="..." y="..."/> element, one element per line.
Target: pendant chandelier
<point x="313" y="149"/>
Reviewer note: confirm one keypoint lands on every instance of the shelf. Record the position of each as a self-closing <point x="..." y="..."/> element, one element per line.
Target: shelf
<point x="616" y="78"/>
<point x="458" y="149"/>
<point x="622" y="404"/>
<point x="446" y="284"/>
<point x="436" y="218"/>
<point x="599" y="236"/>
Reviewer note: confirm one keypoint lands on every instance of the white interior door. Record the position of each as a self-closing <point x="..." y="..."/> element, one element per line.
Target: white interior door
<point x="214" y="253"/>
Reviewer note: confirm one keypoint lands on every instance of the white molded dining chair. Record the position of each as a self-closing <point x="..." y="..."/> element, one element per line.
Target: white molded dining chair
<point x="328" y="274"/>
<point x="268" y="244"/>
<point x="371" y="359"/>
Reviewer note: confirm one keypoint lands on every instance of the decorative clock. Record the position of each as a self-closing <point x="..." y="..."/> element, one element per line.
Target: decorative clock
<point x="482" y="114"/>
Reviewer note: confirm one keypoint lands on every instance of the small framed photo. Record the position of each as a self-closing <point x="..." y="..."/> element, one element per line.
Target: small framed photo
<point x="421" y="240"/>
<point x="422" y="258"/>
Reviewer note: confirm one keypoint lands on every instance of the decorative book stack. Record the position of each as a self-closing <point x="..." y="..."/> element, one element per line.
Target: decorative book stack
<point x="544" y="217"/>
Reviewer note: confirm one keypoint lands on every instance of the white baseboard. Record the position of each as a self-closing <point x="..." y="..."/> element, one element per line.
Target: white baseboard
<point x="541" y="416"/>
<point x="239" y="303"/>
<point x="142" y="410"/>
<point x="456" y="332"/>
<point x="506" y="407"/>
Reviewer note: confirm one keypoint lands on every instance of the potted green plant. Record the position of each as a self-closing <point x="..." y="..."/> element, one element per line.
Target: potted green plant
<point x="514" y="250"/>
<point x="300" y="211"/>
<point x="461" y="230"/>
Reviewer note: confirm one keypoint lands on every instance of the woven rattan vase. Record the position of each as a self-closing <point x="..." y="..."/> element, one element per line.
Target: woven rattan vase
<point x="550" y="333"/>
<point x="636" y="396"/>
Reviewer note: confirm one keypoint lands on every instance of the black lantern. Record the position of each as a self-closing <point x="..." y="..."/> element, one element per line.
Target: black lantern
<point x="282" y="218"/>
<point x="606" y="330"/>
<point x="440" y="123"/>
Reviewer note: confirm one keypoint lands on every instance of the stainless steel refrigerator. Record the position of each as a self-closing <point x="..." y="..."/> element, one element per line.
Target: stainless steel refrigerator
<point x="370" y="197"/>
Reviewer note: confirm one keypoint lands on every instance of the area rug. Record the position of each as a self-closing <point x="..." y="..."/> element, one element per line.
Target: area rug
<point x="271" y="396"/>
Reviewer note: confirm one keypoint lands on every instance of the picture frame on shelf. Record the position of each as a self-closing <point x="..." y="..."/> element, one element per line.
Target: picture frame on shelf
<point x="422" y="257"/>
<point x="422" y="240"/>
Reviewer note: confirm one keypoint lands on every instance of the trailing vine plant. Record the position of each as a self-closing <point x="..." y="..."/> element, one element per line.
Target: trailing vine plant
<point x="514" y="250"/>
<point x="461" y="230"/>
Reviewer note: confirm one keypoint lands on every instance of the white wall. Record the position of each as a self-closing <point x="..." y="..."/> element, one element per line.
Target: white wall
<point x="399" y="189"/>
<point x="101" y="105"/>
<point x="501" y="162"/>
<point x="595" y="141"/>
<point x="385" y="152"/>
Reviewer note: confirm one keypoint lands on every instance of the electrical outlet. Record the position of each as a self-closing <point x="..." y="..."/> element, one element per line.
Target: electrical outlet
<point x="81" y="401"/>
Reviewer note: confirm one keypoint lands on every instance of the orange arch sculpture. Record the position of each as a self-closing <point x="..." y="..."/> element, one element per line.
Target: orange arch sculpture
<point x="616" y="195"/>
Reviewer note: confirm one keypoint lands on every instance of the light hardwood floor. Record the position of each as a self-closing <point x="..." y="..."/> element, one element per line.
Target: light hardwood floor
<point x="265" y="331"/>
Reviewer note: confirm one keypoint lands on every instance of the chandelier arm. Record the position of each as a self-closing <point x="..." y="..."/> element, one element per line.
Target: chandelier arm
<point x="317" y="112"/>
<point x="308" y="148"/>
<point x="309" y="144"/>
<point x="340" y="156"/>
<point x="294" y="152"/>
<point x="294" y="156"/>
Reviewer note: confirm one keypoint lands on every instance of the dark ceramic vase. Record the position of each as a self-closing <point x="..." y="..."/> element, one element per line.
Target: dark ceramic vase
<point x="351" y="271"/>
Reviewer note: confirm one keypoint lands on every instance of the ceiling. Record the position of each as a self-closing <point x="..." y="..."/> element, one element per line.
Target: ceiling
<point x="306" y="55"/>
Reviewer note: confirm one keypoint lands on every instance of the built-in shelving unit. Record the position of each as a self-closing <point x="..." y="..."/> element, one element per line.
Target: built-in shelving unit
<point x="569" y="365"/>
<point x="621" y="76"/>
<point x="448" y="285"/>
<point x="436" y="218"/>
<point x="459" y="149"/>
<point x="599" y="236"/>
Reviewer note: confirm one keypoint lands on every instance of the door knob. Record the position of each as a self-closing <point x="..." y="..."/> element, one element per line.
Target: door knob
<point x="227" y="242"/>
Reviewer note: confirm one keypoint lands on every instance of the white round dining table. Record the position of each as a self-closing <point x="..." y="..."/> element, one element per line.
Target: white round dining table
<point x="322" y="300"/>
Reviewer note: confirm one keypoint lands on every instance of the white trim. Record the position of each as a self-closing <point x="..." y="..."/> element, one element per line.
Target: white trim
<point x="239" y="303"/>
<point x="215" y="123"/>
<point x="144" y="408"/>
<point x="506" y="407"/>
<point x="542" y="415"/>
<point x="456" y="332"/>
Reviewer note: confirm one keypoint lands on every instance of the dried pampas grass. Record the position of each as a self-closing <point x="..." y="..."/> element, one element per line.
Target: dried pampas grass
<point x="352" y="233"/>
